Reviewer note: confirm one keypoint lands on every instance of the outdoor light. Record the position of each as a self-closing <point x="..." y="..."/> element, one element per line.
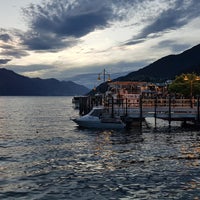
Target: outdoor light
<point x="104" y="73"/>
<point x="99" y="77"/>
<point x="191" y="81"/>
<point x="109" y="79"/>
<point x="197" y="78"/>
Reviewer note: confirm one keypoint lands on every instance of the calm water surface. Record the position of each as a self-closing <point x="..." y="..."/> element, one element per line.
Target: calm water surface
<point x="43" y="155"/>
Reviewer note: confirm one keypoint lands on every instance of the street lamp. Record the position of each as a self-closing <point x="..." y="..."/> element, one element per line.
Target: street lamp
<point x="104" y="73"/>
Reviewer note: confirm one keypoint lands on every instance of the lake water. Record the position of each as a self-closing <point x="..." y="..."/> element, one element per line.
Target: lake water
<point x="43" y="155"/>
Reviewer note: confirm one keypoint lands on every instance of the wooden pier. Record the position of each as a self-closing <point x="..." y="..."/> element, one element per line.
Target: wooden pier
<point x="168" y="108"/>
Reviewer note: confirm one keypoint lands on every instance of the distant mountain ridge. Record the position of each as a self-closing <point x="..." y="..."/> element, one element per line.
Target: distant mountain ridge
<point x="90" y="80"/>
<point x="168" y="67"/>
<point x="13" y="84"/>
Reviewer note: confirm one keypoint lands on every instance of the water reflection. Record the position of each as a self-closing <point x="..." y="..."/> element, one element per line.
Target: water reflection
<point x="61" y="161"/>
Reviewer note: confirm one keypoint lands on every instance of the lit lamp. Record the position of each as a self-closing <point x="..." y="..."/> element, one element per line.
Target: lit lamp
<point x="109" y="79"/>
<point x="191" y="79"/>
<point x="104" y="73"/>
<point x="99" y="77"/>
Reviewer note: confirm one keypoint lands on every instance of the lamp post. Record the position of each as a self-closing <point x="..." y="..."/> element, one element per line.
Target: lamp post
<point x="104" y="73"/>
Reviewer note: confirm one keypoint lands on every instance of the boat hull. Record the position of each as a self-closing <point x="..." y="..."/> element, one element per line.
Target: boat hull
<point x="98" y="124"/>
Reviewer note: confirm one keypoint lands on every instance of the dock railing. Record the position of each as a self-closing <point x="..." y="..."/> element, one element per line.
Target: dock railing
<point x="168" y="107"/>
<point x="172" y="108"/>
<point x="151" y="102"/>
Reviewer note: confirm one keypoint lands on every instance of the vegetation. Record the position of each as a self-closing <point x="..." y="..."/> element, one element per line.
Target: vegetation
<point x="186" y="84"/>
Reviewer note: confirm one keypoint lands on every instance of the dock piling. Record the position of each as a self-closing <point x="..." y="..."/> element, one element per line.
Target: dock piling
<point x="198" y="109"/>
<point x="155" y="111"/>
<point x="169" y="114"/>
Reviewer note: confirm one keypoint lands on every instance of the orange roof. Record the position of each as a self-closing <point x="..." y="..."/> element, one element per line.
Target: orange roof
<point x="126" y="83"/>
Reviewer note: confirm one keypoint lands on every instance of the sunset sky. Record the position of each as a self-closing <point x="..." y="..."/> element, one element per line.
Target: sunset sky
<point x="63" y="38"/>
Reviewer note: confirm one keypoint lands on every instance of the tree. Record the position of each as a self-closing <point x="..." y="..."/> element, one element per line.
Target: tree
<point x="186" y="84"/>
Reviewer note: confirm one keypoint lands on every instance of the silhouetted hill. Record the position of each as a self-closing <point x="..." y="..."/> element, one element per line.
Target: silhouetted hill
<point x="12" y="84"/>
<point x="168" y="67"/>
<point x="164" y="69"/>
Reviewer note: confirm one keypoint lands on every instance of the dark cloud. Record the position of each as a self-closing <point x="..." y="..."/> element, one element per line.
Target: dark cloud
<point x="174" y="18"/>
<point x="55" y="24"/>
<point x="71" y="22"/>
<point x="5" y="37"/>
<point x="4" y="61"/>
<point x="58" y="24"/>
<point x="50" y="42"/>
<point x="10" y="46"/>
<point x="15" y="53"/>
<point x="6" y="46"/>
<point x="133" y="42"/>
<point x="12" y="51"/>
<point x="69" y="18"/>
<point x="172" y="44"/>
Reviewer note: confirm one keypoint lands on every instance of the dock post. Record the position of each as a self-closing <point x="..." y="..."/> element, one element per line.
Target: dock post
<point x="169" y="114"/>
<point x="83" y="105"/>
<point x="80" y="106"/>
<point x="198" y="109"/>
<point x="126" y="111"/>
<point x="141" y="111"/>
<point x="155" y="111"/>
<point x="112" y="111"/>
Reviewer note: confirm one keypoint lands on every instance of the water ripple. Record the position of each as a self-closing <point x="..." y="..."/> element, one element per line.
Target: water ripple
<point x="43" y="155"/>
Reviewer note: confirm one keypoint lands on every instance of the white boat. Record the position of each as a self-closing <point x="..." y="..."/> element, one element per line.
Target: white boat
<point x="99" y="119"/>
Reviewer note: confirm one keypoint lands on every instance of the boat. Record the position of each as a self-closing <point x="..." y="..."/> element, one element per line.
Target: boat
<point x="99" y="118"/>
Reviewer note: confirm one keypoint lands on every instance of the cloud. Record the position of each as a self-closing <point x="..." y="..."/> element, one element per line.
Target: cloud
<point x="29" y="68"/>
<point x="111" y="68"/>
<point x="10" y="45"/>
<point x="50" y="42"/>
<point x="4" y="61"/>
<point x="5" y="37"/>
<point x="34" y="70"/>
<point x="172" y="18"/>
<point x="69" y="18"/>
<point x="12" y="51"/>
<point x="58" y="24"/>
<point x="177" y="15"/>
<point x="133" y="42"/>
<point x="172" y="44"/>
<point x="15" y="53"/>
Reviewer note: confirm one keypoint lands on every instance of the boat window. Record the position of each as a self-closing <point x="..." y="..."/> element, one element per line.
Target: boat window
<point x="96" y="113"/>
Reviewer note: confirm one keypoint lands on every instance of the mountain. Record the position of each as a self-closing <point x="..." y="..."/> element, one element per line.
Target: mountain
<point x="168" y="67"/>
<point x="12" y="84"/>
<point x="90" y="80"/>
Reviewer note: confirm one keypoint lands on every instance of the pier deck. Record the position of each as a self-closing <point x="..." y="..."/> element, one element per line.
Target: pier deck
<point x="148" y="107"/>
<point x="171" y="109"/>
